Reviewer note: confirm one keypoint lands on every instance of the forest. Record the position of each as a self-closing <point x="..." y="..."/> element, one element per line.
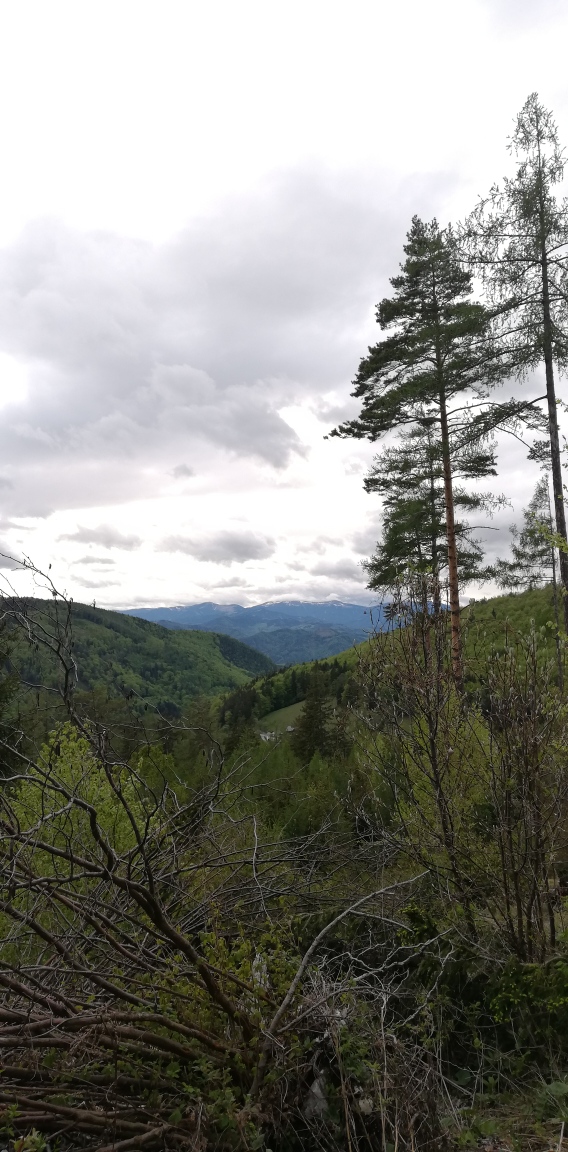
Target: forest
<point x="351" y="936"/>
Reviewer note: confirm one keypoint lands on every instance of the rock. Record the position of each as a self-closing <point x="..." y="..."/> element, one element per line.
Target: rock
<point x="316" y="1103"/>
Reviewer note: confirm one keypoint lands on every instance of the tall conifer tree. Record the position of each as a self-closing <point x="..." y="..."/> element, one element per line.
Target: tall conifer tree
<point x="533" y="559"/>
<point x="432" y="364"/>
<point x="516" y="240"/>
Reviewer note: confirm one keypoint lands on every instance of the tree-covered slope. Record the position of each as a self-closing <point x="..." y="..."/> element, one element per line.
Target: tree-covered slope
<point x="127" y="655"/>
<point x="485" y="623"/>
<point x="516" y="608"/>
<point x="303" y="642"/>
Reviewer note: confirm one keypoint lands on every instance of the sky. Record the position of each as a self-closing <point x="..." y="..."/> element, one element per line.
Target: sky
<point x="200" y="207"/>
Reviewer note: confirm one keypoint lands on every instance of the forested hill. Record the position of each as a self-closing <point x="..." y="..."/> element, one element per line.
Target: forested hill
<point x="127" y="655"/>
<point x="517" y="609"/>
<point x="485" y="622"/>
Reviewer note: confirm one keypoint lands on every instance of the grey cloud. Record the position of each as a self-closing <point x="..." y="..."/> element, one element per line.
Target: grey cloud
<point x="95" y="583"/>
<point x="6" y="524"/>
<point x="222" y="548"/>
<point x="9" y="563"/>
<point x="139" y="353"/>
<point x="340" y="569"/>
<point x="333" y="414"/>
<point x="364" y="542"/>
<point x="186" y="400"/>
<point x="354" y="467"/>
<point x="105" y="536"/>
<point x="94" y="560"/>
<point x="235" y="582"/>
<point x="318" y="544"/>
<point x="182" y="470"/>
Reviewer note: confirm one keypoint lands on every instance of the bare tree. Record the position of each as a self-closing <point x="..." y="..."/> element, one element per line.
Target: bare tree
<point x="155" y="992"/>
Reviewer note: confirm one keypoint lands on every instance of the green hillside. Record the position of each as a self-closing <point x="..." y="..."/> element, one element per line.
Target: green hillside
<point x="160" y="666"/>
<point x="484" y="624"/>
<point x="516" y="608"/>
<point x="126" y="656"/>
<point x="289" y="838"/>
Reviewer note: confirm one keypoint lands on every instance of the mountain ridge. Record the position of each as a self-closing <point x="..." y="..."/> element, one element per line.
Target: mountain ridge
<point x="287" y="631"/>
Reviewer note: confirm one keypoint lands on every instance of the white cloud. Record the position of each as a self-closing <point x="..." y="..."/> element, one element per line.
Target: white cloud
<point x="137" y="353"/>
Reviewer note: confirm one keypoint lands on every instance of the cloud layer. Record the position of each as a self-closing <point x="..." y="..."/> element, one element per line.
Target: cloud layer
<point x="222" y="548"/>
<point x="167" y="402"/>
<point x="142" y="360"/>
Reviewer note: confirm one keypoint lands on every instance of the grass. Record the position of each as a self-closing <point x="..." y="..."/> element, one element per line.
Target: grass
<point x="279" y="720"/>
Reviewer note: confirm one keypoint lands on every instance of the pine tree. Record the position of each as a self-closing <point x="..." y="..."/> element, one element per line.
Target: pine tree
<point x="314" y="727"/>
<point x="409" y="478"/>
<point x="517" y="242"/>
<point x="533" y="560"/>
<point x="436" y="359"/>
<point x="533" y="557"/>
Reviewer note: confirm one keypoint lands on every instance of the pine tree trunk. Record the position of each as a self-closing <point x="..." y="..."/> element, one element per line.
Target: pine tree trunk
<point x="436" y="597"/>
<point x="556" y="467"/>
<point x="555" y="458"/>
<point x="559" y="661"/>
<point x="453" y="581"/>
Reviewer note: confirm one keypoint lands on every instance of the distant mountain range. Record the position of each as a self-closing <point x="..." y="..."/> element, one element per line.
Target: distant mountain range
<point x="288" y="631"/>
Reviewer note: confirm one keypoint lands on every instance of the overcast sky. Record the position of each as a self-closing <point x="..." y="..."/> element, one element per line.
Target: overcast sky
<point x="200" y="206"/>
